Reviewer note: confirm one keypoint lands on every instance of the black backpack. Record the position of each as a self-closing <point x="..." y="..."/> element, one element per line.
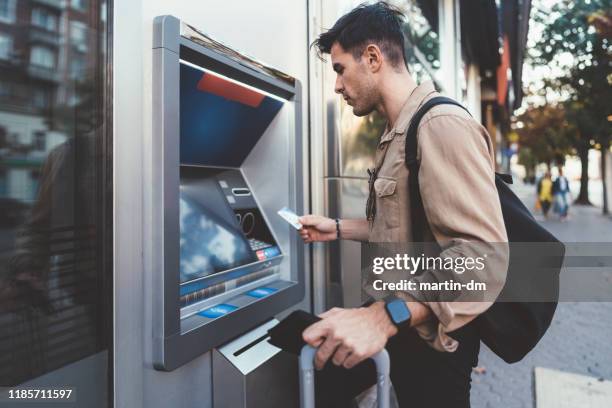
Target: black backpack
<point x="511" y="329"/>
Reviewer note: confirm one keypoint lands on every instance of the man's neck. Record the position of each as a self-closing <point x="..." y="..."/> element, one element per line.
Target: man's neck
<point x="395" y="92"/>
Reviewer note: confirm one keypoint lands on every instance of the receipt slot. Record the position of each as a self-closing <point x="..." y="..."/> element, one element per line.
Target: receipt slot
<point x="249" y="372"/>
<point x="226" y="156"/>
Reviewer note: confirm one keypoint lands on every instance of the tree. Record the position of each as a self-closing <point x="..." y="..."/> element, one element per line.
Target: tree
<point x="575" y="44"/>
<point x="546" y="134"/>
<point x="527" y="159"/>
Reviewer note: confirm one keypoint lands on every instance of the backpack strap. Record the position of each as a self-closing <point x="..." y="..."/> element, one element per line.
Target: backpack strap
<point x="506" y="178"/>
<point x="417" y="212"/>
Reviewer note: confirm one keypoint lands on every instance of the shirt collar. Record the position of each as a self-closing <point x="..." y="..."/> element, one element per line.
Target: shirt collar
<point x="414" y="101"/>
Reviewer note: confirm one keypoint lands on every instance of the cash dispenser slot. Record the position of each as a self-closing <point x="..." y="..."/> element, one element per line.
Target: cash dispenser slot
<point x="241" y="192"/>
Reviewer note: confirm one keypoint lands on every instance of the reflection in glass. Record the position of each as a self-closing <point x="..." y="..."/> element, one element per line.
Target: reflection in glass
<point x="422" y="40"/>
<point x="55" y="214"/>
<point x="360" y="137"/>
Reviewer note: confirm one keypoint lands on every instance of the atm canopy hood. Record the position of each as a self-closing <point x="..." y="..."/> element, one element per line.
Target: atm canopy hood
<point x="221" y="119"/>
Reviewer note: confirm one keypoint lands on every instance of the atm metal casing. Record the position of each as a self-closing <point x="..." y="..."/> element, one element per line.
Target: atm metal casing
<point x="174" y="40"/>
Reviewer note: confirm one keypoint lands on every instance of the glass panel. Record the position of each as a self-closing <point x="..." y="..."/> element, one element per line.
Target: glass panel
<point x="44" y="19"/>
<point x="43" y="57"/>
<point x="7" y="11"/>
<point x="81" y="5"/>
<point x="55" y="201"/>
<point x="422" y="40"/>
<point x="359" y="137"/>
<point x="78" y="35"/>
<point x="6" y="46"/>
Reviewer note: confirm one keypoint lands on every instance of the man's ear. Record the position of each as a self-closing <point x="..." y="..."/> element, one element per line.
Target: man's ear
<point x="373" y="57"/>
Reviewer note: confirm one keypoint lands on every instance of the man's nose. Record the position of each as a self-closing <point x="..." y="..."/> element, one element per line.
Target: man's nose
<point x="338" y="88"/>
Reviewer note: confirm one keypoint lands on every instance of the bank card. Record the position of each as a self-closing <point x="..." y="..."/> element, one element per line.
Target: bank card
<point x="291" y="217"/>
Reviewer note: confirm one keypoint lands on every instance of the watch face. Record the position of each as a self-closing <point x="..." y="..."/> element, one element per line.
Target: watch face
<point x="399" y="311"/>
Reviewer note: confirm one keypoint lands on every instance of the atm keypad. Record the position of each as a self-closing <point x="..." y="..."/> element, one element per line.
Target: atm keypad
<point x="256" y="244"/>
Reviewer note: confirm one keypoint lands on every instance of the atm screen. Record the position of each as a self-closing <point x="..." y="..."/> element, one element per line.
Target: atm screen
<point x="221" y="119"/>
<point x="208" y="243"/>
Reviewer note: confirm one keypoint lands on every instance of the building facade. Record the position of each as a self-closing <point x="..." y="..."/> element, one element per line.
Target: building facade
<point x="55" y="227"/>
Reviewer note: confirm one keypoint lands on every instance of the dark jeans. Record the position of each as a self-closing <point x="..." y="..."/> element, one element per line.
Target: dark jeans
<point x="422" y="377"/>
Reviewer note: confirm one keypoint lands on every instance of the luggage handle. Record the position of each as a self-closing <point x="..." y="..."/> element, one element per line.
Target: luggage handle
<point x="307" y="392"/>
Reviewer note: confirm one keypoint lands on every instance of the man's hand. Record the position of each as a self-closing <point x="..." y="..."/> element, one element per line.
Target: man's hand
<point x="349" y="336"/>
<point x="317" y="228"/>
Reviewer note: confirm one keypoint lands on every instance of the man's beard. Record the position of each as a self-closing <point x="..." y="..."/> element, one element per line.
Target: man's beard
<point x="367" y="103"/>
<point x="363" y="110"/>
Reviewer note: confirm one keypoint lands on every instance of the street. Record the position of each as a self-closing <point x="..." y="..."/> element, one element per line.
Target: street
<point x="578" y="340"/>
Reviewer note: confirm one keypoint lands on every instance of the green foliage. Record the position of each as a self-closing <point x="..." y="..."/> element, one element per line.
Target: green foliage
<point x="546" y="134"/>
<point x="576" y="42"/>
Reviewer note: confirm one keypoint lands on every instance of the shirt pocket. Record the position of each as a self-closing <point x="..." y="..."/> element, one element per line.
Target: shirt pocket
<point x="387" y="202"/>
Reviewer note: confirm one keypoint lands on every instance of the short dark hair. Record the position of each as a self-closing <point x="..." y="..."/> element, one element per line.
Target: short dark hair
<point x="379" y="23"/>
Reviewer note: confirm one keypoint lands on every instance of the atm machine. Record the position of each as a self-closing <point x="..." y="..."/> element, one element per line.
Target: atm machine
<point x="227" y="156"/>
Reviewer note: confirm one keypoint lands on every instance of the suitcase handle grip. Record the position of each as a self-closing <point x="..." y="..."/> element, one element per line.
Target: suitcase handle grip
<point x="307" y="393"/>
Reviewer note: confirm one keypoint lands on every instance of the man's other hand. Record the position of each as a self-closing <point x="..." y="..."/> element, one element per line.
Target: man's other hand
<point x="349" y="336"/>
<point x="317" y="228"/>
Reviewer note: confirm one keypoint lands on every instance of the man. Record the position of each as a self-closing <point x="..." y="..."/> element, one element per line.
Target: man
<point x="431" y="360"/>
<point x="562" y="194"/>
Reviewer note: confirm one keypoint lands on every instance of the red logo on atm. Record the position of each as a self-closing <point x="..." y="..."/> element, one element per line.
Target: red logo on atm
<point x="261" y="255"/>
<point x="229" y="90"/>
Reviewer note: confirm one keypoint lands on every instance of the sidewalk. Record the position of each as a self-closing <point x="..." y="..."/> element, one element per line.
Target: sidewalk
<point x="578" y="340"/>
<point x="585" y="224"/>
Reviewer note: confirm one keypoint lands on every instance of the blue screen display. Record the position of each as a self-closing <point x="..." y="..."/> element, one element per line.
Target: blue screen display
<point x="208" y="244"/>
<point x="221" y="120"/>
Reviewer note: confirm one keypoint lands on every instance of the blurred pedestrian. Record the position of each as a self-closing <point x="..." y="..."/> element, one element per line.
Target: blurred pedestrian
<point x="561" y="194"/>
<point x="545" y="193"/>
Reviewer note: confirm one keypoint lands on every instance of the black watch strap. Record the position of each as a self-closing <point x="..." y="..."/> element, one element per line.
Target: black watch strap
<point x="337" y="228"/>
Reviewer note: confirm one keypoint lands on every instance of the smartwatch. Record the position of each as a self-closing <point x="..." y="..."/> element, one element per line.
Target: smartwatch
<point x="398" y="311"/>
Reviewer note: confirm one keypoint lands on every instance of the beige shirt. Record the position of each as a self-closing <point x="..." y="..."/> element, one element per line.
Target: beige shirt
<point x="457" y="185"/>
